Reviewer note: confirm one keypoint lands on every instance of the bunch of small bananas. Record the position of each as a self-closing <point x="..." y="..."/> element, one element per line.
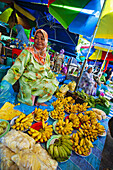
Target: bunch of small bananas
<point x="100" y="128"/>
<point x="90" y="114"/>
<point x="82" y="107"/>
<point x="59" y="95"/>
<point x="81" y="144"/>
<point x="90" y="131"/>
<point x="64" y="127"/>
<point x="84" y="118"/>
<point x="58" y="113"/>
<point x="57" y="103"/>
<point x="76" y="108"/>
<point x="61" y="149"/>
<point x="43" y="134"/>
<point x="75" y="120"/>
<point x="23" y="122"/>
<point x="41" y="114"/>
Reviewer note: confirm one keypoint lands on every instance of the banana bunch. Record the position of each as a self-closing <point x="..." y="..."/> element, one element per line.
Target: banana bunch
<point x="43" y="134"/>
<point x="90" y="131"/>
<point x="100" y="128"/>
<point x="69" y="107"/>
<point x="58" y="113"/>
<point x="41" y="114"/>
<point x="81" y="144"/>
<point x="91" y="114"/>
<point x="82" y="107"/>
<point x="74" y="119"/>
<point x="61" y="149"/>
<point x="64" y="127"/>
<point x="23" y="122"/>
<point x="85" y="118"/>
<point x="59" y="95"/>
<point x="57" y="103"/>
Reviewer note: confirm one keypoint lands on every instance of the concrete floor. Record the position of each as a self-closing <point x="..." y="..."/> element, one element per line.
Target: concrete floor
<point x="107" y="154"/>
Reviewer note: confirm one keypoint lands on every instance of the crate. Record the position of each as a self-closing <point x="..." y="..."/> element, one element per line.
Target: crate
<point x="60" y="78"/>
<point x="75" y="97"/>
<point x="103" y="108"/>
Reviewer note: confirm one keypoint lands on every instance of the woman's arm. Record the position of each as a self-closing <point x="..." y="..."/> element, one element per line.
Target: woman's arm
<point x="17" y="69"/>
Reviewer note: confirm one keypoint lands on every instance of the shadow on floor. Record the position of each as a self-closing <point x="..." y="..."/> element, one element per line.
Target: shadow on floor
<point x="107" y="154"/>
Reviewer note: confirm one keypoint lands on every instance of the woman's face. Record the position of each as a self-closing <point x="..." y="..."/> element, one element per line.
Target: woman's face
<point x="39" y="41"/>
<point x="90" y="70"/>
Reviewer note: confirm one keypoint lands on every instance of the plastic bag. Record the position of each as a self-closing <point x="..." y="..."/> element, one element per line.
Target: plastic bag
<point x="64" y="88"/>
<point x="6" y="93"/>
<point x="25" y="108"/>
<point x="17" y="140"/>
<point x="26" y="159"/>
<point x="72" y="85"/>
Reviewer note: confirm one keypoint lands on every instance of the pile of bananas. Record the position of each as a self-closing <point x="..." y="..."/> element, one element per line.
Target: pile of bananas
<point x="59" y="95"/>
<point x="84" y="118"/>
<point x="58" y="113"/>
<point x="23" y="122"/>
<point x="76" y="108"/>
<point x="63" y="102"/>
<point x="61" y="149"/>
<point x="81" y="144"/>
<point x="41" y="114"/>
<point x="57" y="103"/>
<point x="43" y="134"/>
<point x="75" y="120"/>
<point x="91" y="131"/>
<point x="64" y="127"/>
<point x="91" y="114"/>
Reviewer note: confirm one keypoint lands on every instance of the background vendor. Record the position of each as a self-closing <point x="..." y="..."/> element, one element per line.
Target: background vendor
<point x="32" y="68"/>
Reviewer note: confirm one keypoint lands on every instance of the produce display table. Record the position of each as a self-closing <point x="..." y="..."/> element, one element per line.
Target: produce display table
<point x="76" y="162"/>
<point x="91" y="162"/>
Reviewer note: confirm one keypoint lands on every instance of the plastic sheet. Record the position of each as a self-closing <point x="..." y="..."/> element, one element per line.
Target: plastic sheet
<point x="49" y="108"/>
<point x="25" y="108"/>
<point x="6" y="93"/>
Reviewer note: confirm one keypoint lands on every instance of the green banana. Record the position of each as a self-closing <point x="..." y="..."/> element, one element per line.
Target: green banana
<point x="56" y="153"/>
<point x="67" y="150"/>
<point x="67" y="145"/>
<point x="61" y="155"/>
<point x="67" y="141"/>
<point x="66" y="137"/>
<point x="51" y="147"/>
<point x="64" y="152"/>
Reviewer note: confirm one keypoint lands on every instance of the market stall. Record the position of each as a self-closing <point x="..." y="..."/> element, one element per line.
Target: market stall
<point x="67" y="113"/>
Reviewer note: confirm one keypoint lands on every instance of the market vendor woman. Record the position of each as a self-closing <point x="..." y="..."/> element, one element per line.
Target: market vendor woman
<point x="32" y="68"/>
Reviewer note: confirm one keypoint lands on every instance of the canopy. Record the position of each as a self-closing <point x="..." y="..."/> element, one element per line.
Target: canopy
<point x="79" y="16"/>
<point x="101" y="43"/>
<point x="105" y="29"/>
<point x="58" y="36"/>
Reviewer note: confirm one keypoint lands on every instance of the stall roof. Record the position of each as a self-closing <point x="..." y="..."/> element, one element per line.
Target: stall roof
<point x="58" y="36"/>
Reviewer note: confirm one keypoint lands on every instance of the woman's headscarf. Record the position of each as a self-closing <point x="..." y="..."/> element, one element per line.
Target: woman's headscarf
<point x="39" y="55"/>
<point x="21" y="34"/>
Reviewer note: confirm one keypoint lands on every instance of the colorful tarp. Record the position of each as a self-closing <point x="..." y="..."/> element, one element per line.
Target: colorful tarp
<point x="79" y="16"/>
<point x="105" y="29"/>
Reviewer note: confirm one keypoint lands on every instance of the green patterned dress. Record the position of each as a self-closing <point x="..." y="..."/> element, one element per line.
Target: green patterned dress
<point x="34" y="79"/>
